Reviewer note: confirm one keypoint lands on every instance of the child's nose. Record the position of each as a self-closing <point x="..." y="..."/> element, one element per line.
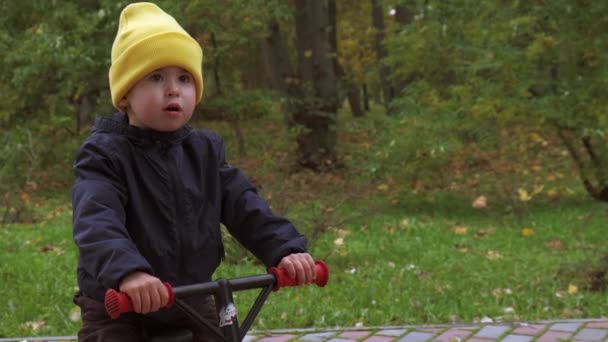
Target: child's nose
<point x="172" y="87"/>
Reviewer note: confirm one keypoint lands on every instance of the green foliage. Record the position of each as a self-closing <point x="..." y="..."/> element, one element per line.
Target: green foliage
<point x="480" y="68"/>
<point x="53" y="78"/>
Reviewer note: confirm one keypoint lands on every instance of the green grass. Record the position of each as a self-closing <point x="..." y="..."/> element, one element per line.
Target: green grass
<point x="400" y="259"/>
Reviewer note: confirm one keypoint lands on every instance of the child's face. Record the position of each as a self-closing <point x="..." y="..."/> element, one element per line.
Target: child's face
<point x="163" y="100"/>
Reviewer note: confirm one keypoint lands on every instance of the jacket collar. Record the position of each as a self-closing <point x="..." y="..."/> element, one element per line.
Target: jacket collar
<point x="119" y="123"/>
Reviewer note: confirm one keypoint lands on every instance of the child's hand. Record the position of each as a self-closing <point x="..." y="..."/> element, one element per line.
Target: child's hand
<point x="147" y="293"/>
<point x="299" y="266"/>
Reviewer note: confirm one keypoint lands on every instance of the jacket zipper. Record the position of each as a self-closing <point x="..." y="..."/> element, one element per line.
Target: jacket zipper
<point x="178" y="221"/>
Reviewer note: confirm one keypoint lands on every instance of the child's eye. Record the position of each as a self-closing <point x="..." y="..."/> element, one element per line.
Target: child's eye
<point x="156" y="77"/>
<point x="185" y="78"/>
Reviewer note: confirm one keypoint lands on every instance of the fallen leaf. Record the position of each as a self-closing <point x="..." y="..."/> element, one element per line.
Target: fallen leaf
<point x="485" y="232"/>
<point x="25" y="197"/>
<point x="486" y="319"/>
<point x="527" y="232"/>
<point x="75" y="314"/>
<point x="462" y="248"/>
<point x="382" y="187"/>
<point x="342" y="232"/>
<point x="493" y="255"/>
<point x="480" y="202"/>
<point x="52" y="248"/>
<point x="554" y="244"/>
<point x="572" y="289"/>
<point x="523" y="195"/>
<point x="34" y="325"/>
<point x="552" y="194"/>
<point x="460" y="230"/>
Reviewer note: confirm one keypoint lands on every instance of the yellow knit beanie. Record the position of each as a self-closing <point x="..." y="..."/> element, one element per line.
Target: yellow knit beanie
<point x="149" y="39"/>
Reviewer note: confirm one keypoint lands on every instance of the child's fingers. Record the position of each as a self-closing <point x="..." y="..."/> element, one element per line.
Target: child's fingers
<point x="146" y="302"/>
<point x="299" y="266"/>
<point x="164" y="296"/>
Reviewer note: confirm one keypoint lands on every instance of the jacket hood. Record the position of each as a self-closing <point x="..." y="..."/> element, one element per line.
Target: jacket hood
<point x="119" y="124"/>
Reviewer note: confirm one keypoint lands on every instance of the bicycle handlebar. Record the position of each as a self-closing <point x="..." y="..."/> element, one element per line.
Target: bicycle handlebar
<point x="283" y="279"/>
<point x="117" y="302"/>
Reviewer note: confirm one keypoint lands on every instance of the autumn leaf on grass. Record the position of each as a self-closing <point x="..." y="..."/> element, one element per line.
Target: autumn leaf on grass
<point x="552" y="194"/>
<point x="523" y="195"/>
<point x="462" y="248"/>
<point x="25" y="197"/>
<point x="52" y="248"/>
<point x="33" y="325"/>
<point x="572" y="289"/>
<point x="341" y="232"/>
<point x="480" y="202"/>
<point x="485" y="232"/>
<point x="493" y="255"/>
<point x="460" y="230"/>
<point x="527" y="232"/>
<point x="554" y="244"/>
<point x="75" y="314"/>
<point x="382" y="187"/>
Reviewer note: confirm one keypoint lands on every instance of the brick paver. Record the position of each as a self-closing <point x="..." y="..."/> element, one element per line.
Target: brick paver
<point x="554" y="336"/>
<point x="591" y="335"/>
<point x="532" y="329"/>
<point x="592" y="330"/>
<point x="571" y="327"/>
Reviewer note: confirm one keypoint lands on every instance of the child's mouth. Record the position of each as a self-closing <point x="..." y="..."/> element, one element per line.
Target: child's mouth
<point x="173" y="108"/>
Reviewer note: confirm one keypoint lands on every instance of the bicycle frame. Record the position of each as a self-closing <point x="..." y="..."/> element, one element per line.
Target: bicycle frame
<point x="222" y="289"/>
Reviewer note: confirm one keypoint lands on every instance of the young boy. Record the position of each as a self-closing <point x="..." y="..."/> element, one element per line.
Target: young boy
<point x="150" y="192"/>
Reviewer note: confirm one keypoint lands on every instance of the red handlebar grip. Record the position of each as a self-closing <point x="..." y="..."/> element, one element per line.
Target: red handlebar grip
<point x="283" y="279"/>
<point x="117" y="303"/>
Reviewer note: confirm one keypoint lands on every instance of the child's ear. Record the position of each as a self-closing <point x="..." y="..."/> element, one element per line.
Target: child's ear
<point x="123" y="103"/>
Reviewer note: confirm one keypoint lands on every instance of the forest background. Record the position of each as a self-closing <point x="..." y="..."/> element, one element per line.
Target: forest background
<point x="360" y="120"/>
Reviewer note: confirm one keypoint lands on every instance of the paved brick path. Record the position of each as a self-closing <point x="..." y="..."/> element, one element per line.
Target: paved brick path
<point x="591" y="330"/>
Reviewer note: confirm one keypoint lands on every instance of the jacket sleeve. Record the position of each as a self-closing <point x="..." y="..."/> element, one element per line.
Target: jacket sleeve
<point x="98" y="200"/>
<point x="249" y="218"/>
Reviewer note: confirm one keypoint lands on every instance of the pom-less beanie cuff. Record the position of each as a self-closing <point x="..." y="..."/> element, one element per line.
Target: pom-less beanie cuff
<point x="155" y="52"/>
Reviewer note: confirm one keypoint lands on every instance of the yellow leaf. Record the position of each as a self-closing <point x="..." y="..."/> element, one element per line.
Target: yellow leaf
<point x="460" y="230"/>
<point x="382" y="187"/>
<point x="572" y="289"/>
<point x="75" y="314"/>
<point x="480" y="202"/>
<point x="527" y="232"/>
<point x="523" y="195"/>
<point x="493" y="255"/>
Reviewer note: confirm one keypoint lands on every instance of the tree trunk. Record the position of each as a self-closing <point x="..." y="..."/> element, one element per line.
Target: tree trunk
<point x="591" y="167"/>
<point x="317" y="114"/>
<point x="345" y="84"/>
<point x="280" y="72"/>
<point x="384" y="70"/>
<point x="403" y="15"/>
<point x="365" y="97"/>
<point x="354" y="101"/>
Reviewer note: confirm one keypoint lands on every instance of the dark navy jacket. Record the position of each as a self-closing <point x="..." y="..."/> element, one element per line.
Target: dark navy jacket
<point x="153" y="202"/>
